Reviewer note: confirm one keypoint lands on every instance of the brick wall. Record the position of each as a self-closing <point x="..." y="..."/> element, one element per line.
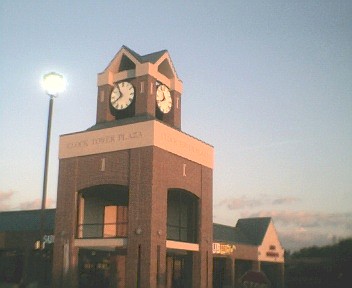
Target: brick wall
<point x="149" y="172"/>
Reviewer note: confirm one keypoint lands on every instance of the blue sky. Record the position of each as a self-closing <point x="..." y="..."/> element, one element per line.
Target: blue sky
<point x="267" y="83"/>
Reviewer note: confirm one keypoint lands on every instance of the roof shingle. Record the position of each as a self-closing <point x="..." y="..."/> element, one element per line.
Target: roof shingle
<point x="249" y="231"/>
<point x="14" y="221"/>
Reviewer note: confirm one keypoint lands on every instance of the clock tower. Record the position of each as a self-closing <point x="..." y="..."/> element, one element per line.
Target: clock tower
<point x="134" y="200"/>
<point x="154" y="89"/>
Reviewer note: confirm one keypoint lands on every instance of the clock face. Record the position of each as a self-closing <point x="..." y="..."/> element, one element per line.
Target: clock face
<point x="163" y="99"/>
<point x="122" y="95"/>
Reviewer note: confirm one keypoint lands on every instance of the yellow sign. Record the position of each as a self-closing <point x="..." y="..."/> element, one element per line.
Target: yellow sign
<point x="223" y="249"/>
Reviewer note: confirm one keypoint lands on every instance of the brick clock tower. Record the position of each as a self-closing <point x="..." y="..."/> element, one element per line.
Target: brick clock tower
<point x="134" y="200"/>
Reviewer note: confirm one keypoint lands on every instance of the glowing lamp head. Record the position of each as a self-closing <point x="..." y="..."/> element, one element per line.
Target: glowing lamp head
<point x="53" y="83"/>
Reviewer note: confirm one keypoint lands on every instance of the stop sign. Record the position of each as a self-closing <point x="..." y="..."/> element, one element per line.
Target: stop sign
<point x="254" y="279"/>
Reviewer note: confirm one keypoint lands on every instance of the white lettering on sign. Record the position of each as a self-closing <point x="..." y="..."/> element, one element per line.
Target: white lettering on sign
<point x="48" y="239"/>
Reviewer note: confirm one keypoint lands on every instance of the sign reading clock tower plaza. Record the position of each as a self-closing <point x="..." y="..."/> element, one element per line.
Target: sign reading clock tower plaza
<point x="134" y="202"/>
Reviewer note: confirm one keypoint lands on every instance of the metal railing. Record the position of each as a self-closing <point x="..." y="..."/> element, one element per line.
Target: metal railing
<point x="184" y="234"/>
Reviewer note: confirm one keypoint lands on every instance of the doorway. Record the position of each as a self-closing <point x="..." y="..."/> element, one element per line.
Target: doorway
<point x="179" y="270"/>
<point x="219" y="271"/>
<point x="101" y="269"/>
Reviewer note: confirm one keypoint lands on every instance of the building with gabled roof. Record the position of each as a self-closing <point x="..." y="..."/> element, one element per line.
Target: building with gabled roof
<point x="253" y="244"/>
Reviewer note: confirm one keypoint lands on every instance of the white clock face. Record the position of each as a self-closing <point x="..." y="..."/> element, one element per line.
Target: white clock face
<point x="122" y="95"/>
<point x="163" y="99"/>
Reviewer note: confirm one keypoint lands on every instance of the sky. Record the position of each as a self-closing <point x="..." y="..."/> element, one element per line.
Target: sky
<point x="267" y="83"/>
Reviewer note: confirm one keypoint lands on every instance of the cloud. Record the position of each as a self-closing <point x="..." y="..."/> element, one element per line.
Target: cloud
<point x="5" y="198"/>
<point x="6" y="195"/>
<point x="285" y="200"/>
<point x="36" y="204"/>
<point x="240" y="203"/>
<point x="296" y="228"/>
<point x="298" y="238"/>
<point x="237" y="203"/>
<point x="305" y="218"/>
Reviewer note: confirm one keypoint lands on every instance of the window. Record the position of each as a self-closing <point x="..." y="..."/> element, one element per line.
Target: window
<point x="182" y="216"/>
<point x="103" y="212"/>
<point x="115" y="221"/>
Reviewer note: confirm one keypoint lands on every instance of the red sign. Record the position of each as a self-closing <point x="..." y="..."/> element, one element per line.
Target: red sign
<point x="272" y="254"/>
<point x="254" y="279"/>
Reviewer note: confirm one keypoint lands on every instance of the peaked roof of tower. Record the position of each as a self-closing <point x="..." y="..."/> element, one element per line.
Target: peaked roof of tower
<point x="127" y="63"/>
<point x="152" y="57"/>
<point x="247" y="231"/>
<point x="148" y="58"/>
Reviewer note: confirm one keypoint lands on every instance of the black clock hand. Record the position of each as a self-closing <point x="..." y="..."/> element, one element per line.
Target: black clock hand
<point x="118" y="88"/>
<point x="162" y="99"/>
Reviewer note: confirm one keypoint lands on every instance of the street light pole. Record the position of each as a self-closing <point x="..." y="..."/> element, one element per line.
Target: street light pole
<point x="46" y="165"/>
<point x="53" y="83"/>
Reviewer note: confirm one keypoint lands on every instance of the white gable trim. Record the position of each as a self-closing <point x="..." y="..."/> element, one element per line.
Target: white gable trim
<point x="271" y="250"/>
